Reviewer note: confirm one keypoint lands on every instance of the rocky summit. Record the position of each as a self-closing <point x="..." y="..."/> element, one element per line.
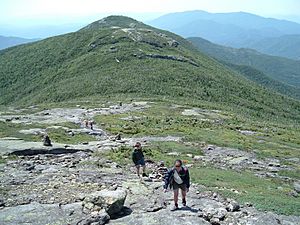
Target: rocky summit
<point x="81" y="184"/>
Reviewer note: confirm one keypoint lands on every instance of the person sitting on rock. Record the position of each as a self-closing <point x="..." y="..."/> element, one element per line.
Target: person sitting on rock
<point x="178" y="178"/>
<point x="46" y="140"/>
<point x="162" y="169"/>
<point x="138" y="159"/>
<point x="159" y="173"/>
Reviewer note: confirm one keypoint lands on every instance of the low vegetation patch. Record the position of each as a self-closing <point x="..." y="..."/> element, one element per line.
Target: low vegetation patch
<point x="264" y="194"/>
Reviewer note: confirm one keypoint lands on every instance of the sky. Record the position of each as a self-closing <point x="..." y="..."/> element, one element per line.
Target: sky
<point x="25" y="13"/>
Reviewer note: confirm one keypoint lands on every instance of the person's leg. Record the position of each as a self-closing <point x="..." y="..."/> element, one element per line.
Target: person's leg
<point x="143" y="164"/>
<point x="138" y="170"/>
<point x="183" y="193"/>
<point x="176" y="193"/>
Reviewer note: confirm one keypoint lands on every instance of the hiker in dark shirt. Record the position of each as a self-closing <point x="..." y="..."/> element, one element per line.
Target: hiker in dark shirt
<point x="138" y="159"/>
<point x="178" y="178"/>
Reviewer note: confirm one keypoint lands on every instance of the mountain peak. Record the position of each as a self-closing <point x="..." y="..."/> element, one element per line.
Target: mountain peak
<point x="115" y="21"/>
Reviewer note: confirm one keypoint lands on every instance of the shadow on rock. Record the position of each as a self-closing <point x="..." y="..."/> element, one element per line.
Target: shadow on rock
<point x="125" y="211"/>
<point x="187" y="208"/>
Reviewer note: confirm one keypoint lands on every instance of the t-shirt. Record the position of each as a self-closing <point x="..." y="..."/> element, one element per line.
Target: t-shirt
<point x="137" y="155"/>
<point x="177" y="178"/>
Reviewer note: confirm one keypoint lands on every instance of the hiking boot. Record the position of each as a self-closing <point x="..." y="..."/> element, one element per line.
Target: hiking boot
<point x="145" y="175"/>
<point x="184" y="202"/>
<point x="175" y="207"/>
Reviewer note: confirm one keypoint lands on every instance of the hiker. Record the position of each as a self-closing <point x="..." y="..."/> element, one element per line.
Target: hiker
<point x="46" y="140"/>
<point x="86" y="123"/>
<point x="178" y="178"/>
<point x="91" y="124"/>
<point x="138" y="159"/>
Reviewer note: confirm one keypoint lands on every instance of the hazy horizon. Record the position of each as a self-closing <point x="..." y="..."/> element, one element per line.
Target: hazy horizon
<point x="18" y="17"/>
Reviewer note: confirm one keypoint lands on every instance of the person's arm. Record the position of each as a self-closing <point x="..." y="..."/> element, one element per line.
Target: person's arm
<point x="142" y="153"/>
<point x="134" y="159"/>
<point x="167" y="179"/>
<point x="187" y="178"/>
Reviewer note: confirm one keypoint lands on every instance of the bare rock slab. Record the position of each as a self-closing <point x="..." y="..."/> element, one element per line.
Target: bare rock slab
<point x="39" y="214"/>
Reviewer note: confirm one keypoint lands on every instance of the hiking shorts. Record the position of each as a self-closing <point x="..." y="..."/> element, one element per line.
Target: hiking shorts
<point x="177" y="186"/>
<point x="140" y="162"/>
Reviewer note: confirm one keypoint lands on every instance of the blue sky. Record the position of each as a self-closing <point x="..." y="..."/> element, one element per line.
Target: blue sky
<point x="59" y="11"/>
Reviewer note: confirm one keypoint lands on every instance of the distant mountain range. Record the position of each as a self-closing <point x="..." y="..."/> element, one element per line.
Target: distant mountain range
<point x="280" y="74"/>
<point x="238" y="29"/>
<point x="6" y="42"/>
<point x="285" y="46"/>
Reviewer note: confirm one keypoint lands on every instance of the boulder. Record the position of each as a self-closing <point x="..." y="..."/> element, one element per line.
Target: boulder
<point x="217" y="214"/>
<point x="111" y="201"/>
<point x="233" y="207"/>
<point x="221" y="214"/>
<point x="95" y="219"/>
<point x="215" y="221"/>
